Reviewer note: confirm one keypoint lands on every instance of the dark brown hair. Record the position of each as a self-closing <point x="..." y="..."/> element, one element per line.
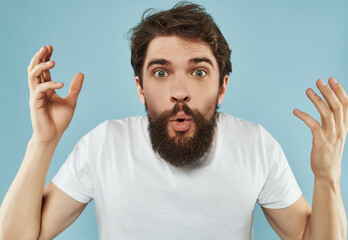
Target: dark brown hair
<point x="186" y="20"/>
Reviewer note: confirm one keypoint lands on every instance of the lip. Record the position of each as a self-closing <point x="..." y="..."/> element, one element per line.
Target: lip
<point x="180" y="115"/>
<point x="181" y="126"/>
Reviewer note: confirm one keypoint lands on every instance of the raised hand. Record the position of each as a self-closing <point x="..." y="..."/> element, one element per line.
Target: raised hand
<point x="328" y="138"/>
<point x="50" y="113"/>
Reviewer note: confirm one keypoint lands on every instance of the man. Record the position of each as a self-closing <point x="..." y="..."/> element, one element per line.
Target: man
<point x="185" y="171"/>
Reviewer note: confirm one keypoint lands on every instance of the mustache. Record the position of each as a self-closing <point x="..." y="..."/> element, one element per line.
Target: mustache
<point x="182" y="107"/>
<point x="162" y="119"/>
<point x="171" y="113"/>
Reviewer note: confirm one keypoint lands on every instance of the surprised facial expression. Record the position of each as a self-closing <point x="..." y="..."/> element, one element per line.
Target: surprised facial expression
<point x="178" y="70"/>
<point x="180" y="74"/>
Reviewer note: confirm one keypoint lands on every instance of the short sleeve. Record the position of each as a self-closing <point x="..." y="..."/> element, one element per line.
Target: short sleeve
<point x="75" y="177"/>
<point x="280" y="189"/>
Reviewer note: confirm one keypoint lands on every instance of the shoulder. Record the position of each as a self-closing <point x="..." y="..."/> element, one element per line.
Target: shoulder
<point x="131" y="122"/>
<point x="116" y="127"/>
<point x="238" y="125"/>
<point x="243" y="129"/>
<point x="229" y="120"/>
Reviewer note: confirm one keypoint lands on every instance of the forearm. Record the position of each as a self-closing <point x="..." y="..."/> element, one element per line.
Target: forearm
<point x="328" y="219"/>
<point x="20" y="212"/>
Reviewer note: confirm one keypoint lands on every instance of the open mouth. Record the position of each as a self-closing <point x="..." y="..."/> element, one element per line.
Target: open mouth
<point x="181" y="124"/>
<point x="181" y="121"/>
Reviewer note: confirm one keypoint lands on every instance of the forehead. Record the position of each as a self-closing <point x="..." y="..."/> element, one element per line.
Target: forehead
<point x="178" y="49"/>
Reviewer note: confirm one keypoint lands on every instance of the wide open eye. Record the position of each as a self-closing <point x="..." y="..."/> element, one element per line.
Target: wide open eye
<point x="161" y="73"/>
<point x="199" y="73"/>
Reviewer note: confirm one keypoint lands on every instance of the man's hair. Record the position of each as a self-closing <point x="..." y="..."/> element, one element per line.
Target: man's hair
<point x="185" y="20"/>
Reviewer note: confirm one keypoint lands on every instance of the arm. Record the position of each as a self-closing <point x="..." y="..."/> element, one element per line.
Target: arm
<point x="46" y="210"/>
<point x="23" y="199"/>
<point x="20" y="212"/>
<point x="327" y="218"/>
<point x="59" y="211"/>
<point x="290" y="222"/>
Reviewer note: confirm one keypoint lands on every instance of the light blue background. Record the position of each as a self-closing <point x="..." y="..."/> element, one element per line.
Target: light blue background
<point x="279" y="49"/>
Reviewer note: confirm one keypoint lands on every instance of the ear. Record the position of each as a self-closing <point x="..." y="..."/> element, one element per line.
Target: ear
<point x="140" y="90"/>
<point x="223" y="89"/>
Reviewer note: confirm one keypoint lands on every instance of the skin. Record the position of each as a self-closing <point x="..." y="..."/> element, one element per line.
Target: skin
<point x="50" y="113"/>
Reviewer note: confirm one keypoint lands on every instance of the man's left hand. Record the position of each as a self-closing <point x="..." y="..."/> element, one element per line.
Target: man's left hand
<point x="328" y="138"/>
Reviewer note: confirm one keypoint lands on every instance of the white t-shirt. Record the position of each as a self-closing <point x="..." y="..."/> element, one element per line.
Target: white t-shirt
<point x="138" y="195"/>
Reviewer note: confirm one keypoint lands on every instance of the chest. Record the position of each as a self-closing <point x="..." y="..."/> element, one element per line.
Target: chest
<point x="144" y="198"/>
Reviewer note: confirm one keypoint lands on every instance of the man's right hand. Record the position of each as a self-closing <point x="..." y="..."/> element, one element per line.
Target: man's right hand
<point x="50" y="114"/>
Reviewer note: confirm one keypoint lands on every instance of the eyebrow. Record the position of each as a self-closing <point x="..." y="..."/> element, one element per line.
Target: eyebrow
<point x="162" y="61"/>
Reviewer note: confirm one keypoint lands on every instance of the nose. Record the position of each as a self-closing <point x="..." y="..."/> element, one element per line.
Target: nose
<point x="180" y="92"/>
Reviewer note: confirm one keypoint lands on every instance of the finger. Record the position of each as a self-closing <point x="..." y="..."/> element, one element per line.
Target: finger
<point x="49" y="53"/>
<point x="323" y="124"/>
<point x="342" y="96"/>
<point x="37" y="58"/>
<point x="38" y="69"/>
<point x="42" y="88"/>
<point x="75" y="88"/>
<point x="334" y="103"/>
<point x="34" y="76"/>
<point x="324" y="111"/>
<point x="46" y="75"/>
<point x="313" y="124"/>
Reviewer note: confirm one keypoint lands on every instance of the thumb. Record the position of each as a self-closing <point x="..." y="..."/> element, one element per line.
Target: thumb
<point x="75" y="88"/>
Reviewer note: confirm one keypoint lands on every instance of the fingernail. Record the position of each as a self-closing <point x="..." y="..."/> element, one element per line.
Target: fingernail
<point x="322" y="83"/>
<point x="311" y="92"/>
<point x="334" y="81"/>
<point x="297" y="111"/>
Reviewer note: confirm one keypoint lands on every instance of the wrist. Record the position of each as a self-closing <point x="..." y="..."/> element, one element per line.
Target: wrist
<point x="39" y="144"/>
<point x="328" y="182"/>
<point x="38" y="141"/>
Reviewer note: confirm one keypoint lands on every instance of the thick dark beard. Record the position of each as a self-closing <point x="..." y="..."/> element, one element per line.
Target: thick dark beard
<point x="180" y="150"/>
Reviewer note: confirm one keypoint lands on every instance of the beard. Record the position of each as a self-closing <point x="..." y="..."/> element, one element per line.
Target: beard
<point x="181" y="150"/>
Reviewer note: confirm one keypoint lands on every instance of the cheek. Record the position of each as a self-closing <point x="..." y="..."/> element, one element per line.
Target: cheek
<point x="204" y="97"/>
<point x="156" y="98"/>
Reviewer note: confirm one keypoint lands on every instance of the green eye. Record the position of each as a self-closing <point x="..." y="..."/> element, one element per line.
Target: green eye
<point x="199" y="73"/>
<point x="161" y="73"/>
